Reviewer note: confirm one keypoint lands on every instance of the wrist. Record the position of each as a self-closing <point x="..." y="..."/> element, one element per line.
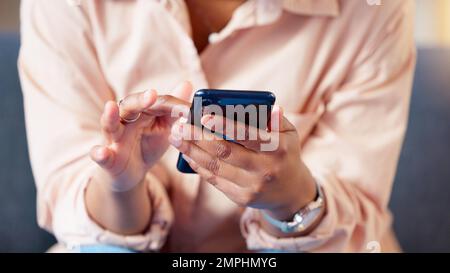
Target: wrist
<point x="117" y="185"/>
<point x="302" y="222"/>
<point x="299" y="198"/>
<point x="137" y="191"/>
<point x="123" y="212"/>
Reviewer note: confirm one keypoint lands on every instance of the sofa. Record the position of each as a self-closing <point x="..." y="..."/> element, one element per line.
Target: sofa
<point x="421" y="193"/>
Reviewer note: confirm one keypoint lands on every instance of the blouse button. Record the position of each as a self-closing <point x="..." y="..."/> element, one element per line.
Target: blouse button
<point x="213" y="37"/>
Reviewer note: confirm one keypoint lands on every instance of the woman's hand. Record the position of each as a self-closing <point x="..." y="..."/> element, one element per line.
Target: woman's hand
<point x="276" y="181"/>
<point x="116" y="198"/>
<point x="131" y="149"/>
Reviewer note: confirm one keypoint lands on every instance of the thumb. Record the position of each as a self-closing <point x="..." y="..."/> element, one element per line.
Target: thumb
<point x="278" y="122"/>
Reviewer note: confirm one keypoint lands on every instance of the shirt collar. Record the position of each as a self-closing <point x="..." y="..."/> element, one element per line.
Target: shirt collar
<point x="301" y="7"/>
<point x="313" y="7"/>
<point x="263" y="12"/>
<point x="268" y="11"/>
<point x="259" y="12"/>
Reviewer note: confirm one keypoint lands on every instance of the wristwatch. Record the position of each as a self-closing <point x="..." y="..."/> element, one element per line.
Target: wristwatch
<point x="303" y="219"/>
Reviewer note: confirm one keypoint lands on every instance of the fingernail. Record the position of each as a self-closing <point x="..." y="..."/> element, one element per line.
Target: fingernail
<point x="277" y="109"/>
<point x="206" y="118"/>
<point x="147" y="95"/>
<point x="175" y="141"/>
<point x="177" y="130"/>
<point x="183" y="120"/>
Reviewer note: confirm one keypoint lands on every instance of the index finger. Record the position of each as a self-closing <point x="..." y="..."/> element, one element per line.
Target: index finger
<point x="132" y="105"/>
<point x="241" y="133"/>
<point x="231" y="153"/>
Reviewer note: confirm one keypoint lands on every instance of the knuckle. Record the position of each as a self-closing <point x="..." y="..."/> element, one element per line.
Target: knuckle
<point x="211" y="179"/>
<point x="247" y="163"/>
<point x="223" y="150"/>
<point x="269" y="176"/>
<point x="213" y="166"/>
<point x="247" y="134"/>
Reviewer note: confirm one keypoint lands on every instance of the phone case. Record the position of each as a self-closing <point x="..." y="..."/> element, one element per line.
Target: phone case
<point x="223" y="98"/>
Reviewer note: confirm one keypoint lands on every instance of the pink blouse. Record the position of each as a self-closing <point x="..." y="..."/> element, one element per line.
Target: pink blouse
<point x="342" y="70"/>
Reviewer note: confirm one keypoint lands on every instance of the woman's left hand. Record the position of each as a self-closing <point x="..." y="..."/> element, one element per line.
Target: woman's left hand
<point x="275" y="181"/>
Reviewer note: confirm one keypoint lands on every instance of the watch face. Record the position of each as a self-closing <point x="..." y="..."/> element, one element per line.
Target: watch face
<point x="310" y="217"/>
<point x="298" y="218"/>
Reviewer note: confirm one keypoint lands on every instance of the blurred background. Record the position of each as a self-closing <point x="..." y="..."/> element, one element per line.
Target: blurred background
<point x="421" y="194"/>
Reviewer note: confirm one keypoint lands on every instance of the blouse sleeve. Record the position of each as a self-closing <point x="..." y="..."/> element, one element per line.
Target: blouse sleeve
<point x="64" y="92"/>
<point x="355" y="145"/>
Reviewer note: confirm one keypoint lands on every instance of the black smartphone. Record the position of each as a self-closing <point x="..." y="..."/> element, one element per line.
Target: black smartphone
<point x="229" y="103"/>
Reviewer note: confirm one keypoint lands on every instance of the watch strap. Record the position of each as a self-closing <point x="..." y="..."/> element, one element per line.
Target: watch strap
<point x="302" y="219"/>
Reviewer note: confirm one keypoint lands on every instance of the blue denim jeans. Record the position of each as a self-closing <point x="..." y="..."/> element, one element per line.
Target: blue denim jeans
<point x="103" y="249"/>
<point x="118" y="249"/>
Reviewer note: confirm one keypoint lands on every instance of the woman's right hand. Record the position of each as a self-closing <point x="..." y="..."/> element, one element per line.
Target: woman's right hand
<point x="131" y="149"/>
<point x="117" y="197"/>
